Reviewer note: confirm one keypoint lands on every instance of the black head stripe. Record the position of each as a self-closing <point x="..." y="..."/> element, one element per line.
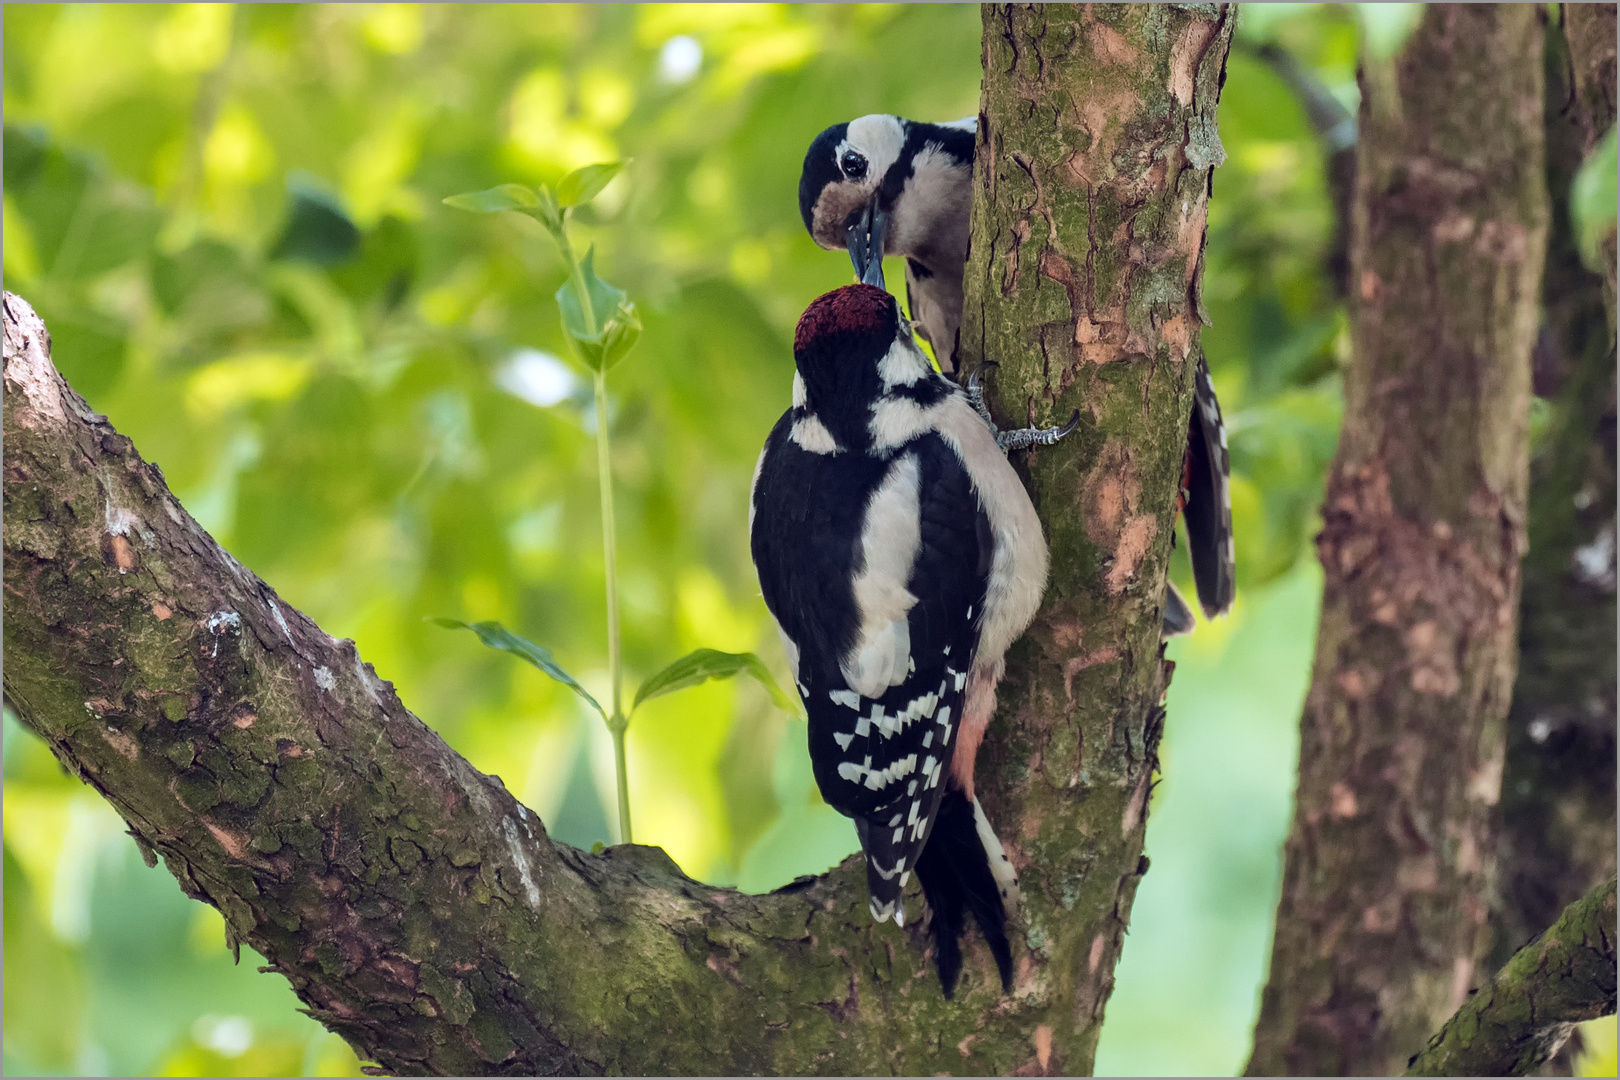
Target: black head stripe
<point x="954" y="141"/>
<point x="819" y="170"/>
<point x="957" y="142"/>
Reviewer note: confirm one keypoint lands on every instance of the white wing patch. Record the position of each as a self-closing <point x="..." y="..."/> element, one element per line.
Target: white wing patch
<point x="890" y="537"/>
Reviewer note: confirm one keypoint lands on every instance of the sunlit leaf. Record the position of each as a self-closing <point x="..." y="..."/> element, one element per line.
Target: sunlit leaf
<point x="1592" y="200"/>
<point x="495" y="199"/>
<point x="497" y="636"/>
<point x="584" y="184"/>
<point x="705" y="664"/>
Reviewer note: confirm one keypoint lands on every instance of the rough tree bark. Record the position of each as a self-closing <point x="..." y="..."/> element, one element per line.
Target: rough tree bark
<point x="1096" y="149"/>
<point x="1388" y="861"/>
<point x="424" y="915"/>
<point x="1519" y="1020"/>
<point x="1558" y="811"/>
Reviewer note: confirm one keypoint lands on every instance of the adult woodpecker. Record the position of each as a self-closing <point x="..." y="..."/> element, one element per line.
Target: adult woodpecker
<point x="900" y="555"/>
<point x="881" y="185"/>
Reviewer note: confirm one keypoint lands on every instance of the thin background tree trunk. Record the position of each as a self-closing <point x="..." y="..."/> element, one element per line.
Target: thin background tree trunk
<point x="1096" y="149"/>
<point x="1388" y="862"/>
<point x="1558" y="789"/>
<point x="420" y="912"/>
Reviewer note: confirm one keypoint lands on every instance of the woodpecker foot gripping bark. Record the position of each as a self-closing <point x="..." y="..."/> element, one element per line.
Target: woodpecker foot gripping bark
<point x="1018" y="438"/>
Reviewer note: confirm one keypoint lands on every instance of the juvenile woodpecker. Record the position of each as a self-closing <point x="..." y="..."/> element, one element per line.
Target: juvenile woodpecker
<point x="881" y="185"/>
<point x="900" y="555"/>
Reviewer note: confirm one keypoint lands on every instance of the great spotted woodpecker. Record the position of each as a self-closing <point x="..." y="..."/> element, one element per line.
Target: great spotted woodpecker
<point x="881" y="185"/>
<point x="900" y="556"/>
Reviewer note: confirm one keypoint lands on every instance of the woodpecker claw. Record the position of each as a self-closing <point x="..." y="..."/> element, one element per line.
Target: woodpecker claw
<point x="1020" y="438"/>
<point x="975" y="392"/>
<point x="1023" y="438"/>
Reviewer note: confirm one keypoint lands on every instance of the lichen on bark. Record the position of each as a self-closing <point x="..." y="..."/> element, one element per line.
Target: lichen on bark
<point x="1387" y="865"/>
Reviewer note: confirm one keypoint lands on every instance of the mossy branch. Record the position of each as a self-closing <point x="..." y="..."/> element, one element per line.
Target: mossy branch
<point x="1519" y="1020"/>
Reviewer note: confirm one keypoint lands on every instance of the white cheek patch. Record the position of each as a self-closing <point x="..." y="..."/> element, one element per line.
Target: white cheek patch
<point x="890" y="536"/>
<point x="904" y="363"/>
<point x="809" y="433"/>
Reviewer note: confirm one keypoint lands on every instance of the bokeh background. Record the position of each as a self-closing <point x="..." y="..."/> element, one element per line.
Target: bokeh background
<point x="230" y="219"/>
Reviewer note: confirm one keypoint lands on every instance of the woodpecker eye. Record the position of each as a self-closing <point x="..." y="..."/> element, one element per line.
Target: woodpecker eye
<point x="853" y="164"/>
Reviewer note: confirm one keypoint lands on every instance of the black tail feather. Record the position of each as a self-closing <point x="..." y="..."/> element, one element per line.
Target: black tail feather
<point x="1178" y="617"/>
<point x="1209" y="500"/>
<point x="954" y="871"/>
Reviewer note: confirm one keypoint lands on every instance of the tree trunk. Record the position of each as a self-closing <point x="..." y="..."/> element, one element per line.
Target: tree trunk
<point x="1558" y="813"/>
<point x="424" y="915"/>
<point x="1096" y="148"/>
<point x="1389" y="858"/>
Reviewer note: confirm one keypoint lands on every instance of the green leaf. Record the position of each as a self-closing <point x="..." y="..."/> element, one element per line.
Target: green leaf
<point x="547" y="213"/>
<point x="495" y="199"/>
<point x="1592" y="200"/>
<point x="318" y="229"/>
<point x="705" y="664"/>
<point x="617" y="325"/>
<point x="497" y="636"/>
<point x="620" y="335"/>
<point x="584" y="184"/>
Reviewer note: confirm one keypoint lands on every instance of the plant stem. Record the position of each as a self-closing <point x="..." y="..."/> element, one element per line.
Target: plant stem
<point x="610" y="558"/>
<point x="623" y="776"/>
<point x="617" y="722"/>
<point x="576" y="276"/>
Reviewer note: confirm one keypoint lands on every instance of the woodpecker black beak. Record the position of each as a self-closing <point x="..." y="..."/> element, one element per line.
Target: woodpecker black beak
<point x="864" y="238"/>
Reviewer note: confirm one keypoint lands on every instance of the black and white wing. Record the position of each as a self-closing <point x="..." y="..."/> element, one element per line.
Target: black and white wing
<point x="882" y="631"/>
<point x="1209" y="499"/>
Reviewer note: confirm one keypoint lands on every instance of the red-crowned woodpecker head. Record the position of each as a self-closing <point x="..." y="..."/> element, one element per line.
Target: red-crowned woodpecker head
<point x="845" y="318"/>
<point x="840" y="340"/>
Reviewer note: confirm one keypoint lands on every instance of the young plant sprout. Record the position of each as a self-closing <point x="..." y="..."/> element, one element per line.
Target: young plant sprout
<point x="601" y="324"/>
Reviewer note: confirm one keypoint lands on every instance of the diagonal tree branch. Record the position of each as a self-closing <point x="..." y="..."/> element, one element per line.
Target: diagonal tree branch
<point x="1520" y="1019"/>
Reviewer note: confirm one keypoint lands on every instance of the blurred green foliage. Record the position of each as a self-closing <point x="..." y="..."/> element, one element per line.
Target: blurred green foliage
<point x="230" y="219"/>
